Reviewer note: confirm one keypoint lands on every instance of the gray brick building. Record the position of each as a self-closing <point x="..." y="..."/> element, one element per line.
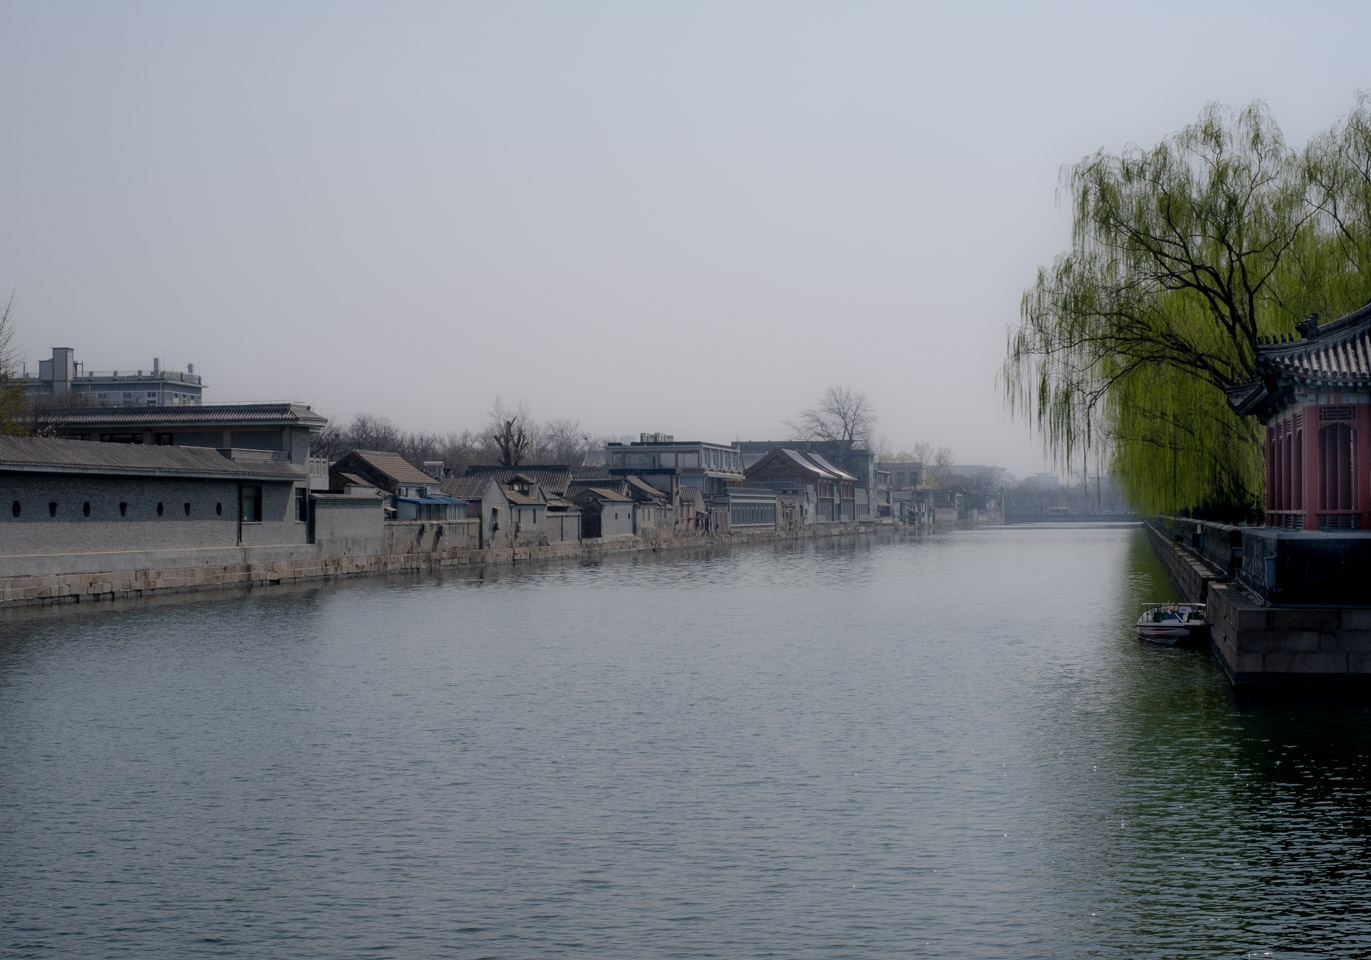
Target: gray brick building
<point x="66" y="496"/>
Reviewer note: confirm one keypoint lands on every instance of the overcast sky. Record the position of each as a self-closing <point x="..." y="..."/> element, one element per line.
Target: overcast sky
<point x="688" y="218"/>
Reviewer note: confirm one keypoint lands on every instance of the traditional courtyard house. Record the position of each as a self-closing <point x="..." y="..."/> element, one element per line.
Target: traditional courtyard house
<point x="857" y="463"/>
<point x="605" y="513"/>
<point x="528" y="510"/>
<point x="535" y="498"/>
<point x="826" y="491"/>
<point x="411" y="493"/>
<point x="654" y="514"/>
<point x="69" y="497"/>
<point x="486" y="501"/>
<point x="554" y="479"/>
<point x="692" y="514"/>
<point x="1313" y="394"/>
<point x="654" y="510"/>
<point x="563" y="524"/>
<point x="64" y="378"/>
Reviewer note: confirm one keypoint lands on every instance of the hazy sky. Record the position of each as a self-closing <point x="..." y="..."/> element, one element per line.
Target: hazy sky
<point x="688" y="218"/>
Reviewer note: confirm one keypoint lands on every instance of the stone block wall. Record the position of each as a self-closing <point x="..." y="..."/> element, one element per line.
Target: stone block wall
<point x="1191" y="575"/>
<point x="1259" y="644"/>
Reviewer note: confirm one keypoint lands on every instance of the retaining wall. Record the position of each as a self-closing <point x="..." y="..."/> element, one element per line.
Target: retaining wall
<point x="1258" y="644"/>
<point x="406" y="548"/>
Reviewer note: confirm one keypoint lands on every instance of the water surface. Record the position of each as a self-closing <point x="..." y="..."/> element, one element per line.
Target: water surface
<point x="951" y="746"/>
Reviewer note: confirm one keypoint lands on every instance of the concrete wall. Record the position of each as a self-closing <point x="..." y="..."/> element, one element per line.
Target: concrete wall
<point x="212" y="520"/>
<point x="278" y="524"/>
<point x="429" y="536"/>
<point x="348" y="526"/>
<point x="85" y="577"/>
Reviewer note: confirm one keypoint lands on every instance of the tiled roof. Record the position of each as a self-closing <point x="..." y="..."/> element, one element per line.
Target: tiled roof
<point x="521" y="499"/>
<point x="694" y="495"/>
<point x="394" y="466"/>
<point x="826" y="465"/>
<point x="811" y="463"/>
<point x="221" y="414"/>
<point x="554" y="478"/>
<point x="586" y="483"/>
<point x="644" y="487"/>
<point x="1338" y="354"/>
<point x="466" y="488"/>
<point x="44" y="455"/>
<point x="601" y="493"/>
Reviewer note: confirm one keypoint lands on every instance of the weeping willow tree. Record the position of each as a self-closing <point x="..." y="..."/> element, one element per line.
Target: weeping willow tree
<point x="1182" y="256"/>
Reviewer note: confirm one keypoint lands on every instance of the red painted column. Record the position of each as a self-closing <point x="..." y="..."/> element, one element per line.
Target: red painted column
<point x="1361" y="467"/>
<point x="1272" y="495"/>
<point x="1309" y="483"/>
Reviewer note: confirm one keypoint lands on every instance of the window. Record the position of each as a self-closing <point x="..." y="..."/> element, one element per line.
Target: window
<point x="251" y="504"/>
<point x="123" y="509"/>
<point x="85" y="509"/>
<point x="15" y="508"/>
<point x="187" y="507"/>
<point x="52" y="508"/>
<point x="218" y="509"/>
<point x="159" y="508"/>
<point x="301" y="504"/>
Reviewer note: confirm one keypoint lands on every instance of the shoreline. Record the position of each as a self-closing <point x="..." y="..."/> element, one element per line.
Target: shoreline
<point x="53" y="580"/>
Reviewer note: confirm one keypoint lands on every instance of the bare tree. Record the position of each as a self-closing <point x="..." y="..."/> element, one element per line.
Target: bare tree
<point x="13" y="410"/>
<point x="330" y="442"/>
<point x="941" y="464"/>
<point x="371" y="432"/>
<point x="843" y="416"/>
<point x="461" y="450"/>
<point x="935" y="460"/>
<point x="512" y="431"/>
<point x="563" y="441"/>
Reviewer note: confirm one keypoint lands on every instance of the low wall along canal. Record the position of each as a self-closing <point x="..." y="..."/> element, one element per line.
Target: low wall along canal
<point x="1258" y="642"/>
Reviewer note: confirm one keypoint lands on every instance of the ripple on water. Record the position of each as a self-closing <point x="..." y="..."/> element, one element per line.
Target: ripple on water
<point x="949" y="746"/>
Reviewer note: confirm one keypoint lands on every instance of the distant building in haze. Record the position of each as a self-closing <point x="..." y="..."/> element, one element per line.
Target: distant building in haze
<point x="64" y="379"/>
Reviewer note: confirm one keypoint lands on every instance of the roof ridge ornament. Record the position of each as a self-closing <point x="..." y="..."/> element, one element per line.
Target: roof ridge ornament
<point x="1309" y="327"/>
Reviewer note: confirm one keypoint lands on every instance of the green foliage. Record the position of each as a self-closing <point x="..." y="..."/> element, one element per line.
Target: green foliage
<point x="1182" y="255"/>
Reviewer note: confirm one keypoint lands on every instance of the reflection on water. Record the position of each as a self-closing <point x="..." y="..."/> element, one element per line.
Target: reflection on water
<point x="946" y="746"/>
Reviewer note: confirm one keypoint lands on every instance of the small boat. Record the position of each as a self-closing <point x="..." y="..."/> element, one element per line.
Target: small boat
<point x="1172" y="623"/>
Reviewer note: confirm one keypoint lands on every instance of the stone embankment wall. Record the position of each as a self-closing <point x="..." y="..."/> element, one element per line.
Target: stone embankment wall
<point x="404" y="547"/>
<point x="1189" y="572"/>
<point x="1257" y="643"/>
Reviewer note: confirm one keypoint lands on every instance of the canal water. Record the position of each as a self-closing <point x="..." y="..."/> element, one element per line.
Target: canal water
<point x="949" y="746"/>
